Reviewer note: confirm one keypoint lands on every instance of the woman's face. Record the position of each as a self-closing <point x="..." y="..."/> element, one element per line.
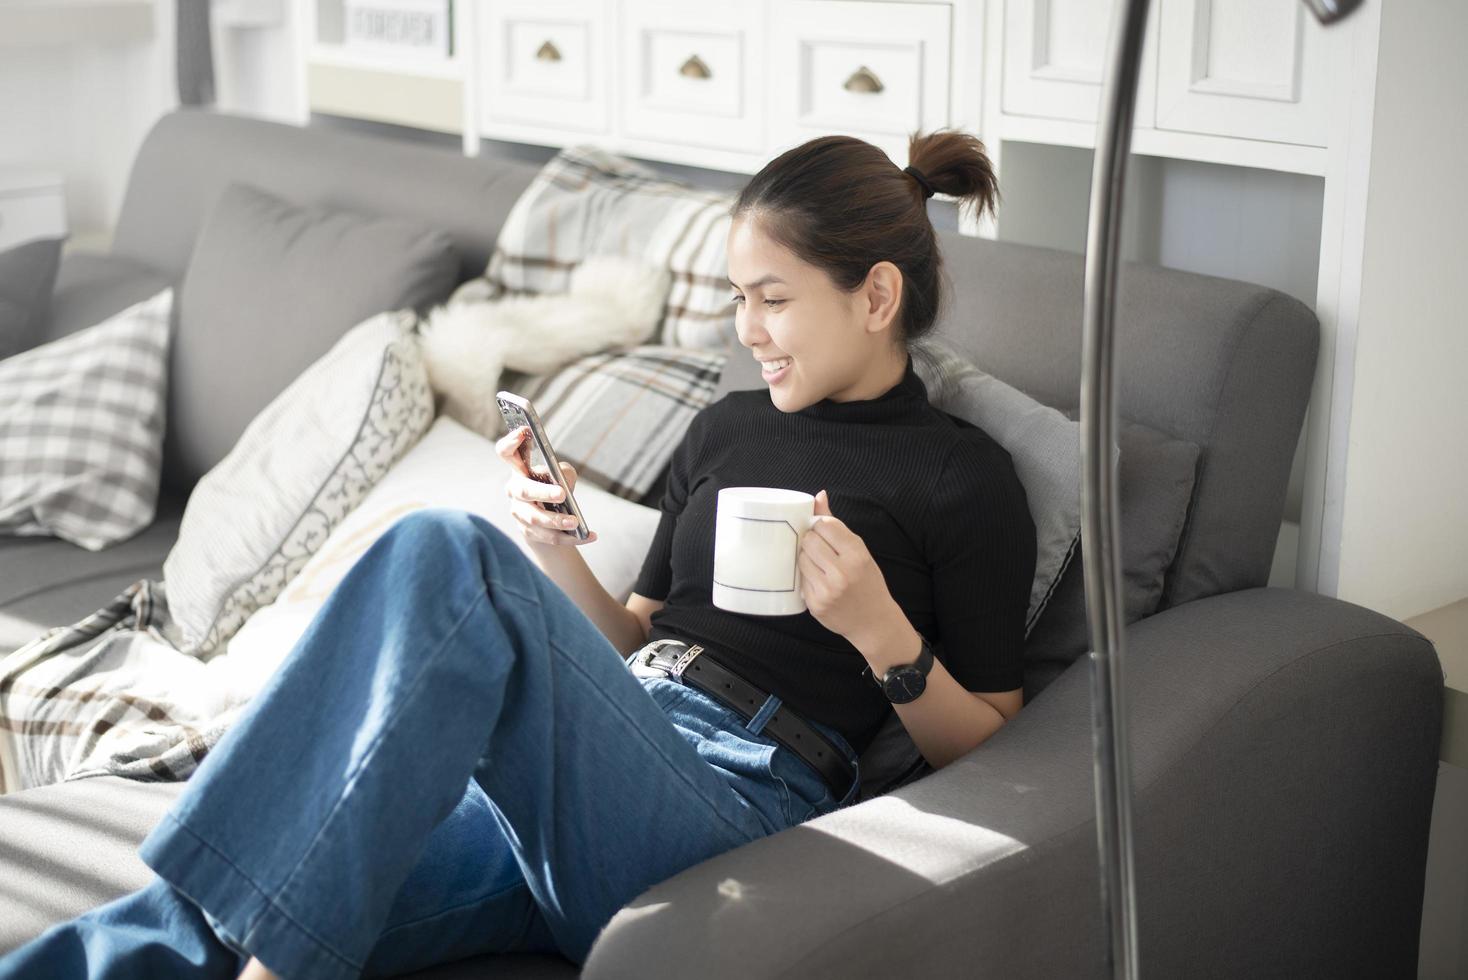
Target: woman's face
<point x="812" y="340"/>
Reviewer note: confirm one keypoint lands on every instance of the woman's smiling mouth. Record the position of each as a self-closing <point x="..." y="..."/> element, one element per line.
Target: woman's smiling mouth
<point x="773" y="371"/>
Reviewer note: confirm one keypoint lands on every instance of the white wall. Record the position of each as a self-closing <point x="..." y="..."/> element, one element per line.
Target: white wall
<point x="82" y="110"/>
<point x="1404" y="537"/>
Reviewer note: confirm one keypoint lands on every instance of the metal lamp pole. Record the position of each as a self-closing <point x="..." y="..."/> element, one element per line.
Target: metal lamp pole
<point x="1100" y="503"/>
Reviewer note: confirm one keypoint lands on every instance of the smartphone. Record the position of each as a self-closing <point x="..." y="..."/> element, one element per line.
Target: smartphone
<point x="540" y="458"/>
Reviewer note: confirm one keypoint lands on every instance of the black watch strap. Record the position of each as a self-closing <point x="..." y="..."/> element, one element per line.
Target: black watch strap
<point x="905" y="682"/>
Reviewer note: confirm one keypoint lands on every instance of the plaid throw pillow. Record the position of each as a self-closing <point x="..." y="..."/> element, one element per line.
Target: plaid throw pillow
<point x="617" y="416"/>
<point x="587" y="201"/>
<point x="81" y="429"/>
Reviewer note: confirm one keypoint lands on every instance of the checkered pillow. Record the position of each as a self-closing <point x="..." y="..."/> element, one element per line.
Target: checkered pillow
<point x="81" y="429"/>
<point x="587" y="201"/>
<point x="617" y="416"/>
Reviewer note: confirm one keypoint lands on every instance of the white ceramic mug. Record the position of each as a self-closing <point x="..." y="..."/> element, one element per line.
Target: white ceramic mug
<point x="756" y="540"/>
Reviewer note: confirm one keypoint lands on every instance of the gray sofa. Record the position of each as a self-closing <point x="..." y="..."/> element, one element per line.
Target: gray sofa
<point x="1284" y="743"/>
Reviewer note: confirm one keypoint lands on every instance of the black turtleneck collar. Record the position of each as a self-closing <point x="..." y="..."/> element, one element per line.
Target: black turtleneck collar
<point x="899" y="401"/>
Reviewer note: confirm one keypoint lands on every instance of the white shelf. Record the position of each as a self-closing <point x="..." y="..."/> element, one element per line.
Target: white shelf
<point x="341" y="56"/>
<point x="29" y="23"/>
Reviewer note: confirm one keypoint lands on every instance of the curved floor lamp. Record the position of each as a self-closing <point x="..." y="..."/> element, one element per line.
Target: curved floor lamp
<point x="1100" y="507"/>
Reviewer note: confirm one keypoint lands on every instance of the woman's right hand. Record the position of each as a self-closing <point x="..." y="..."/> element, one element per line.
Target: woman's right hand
<point x="529" y="495"/>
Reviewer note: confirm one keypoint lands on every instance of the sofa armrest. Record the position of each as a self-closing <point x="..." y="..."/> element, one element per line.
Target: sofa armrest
<point x="1284" y="754"/>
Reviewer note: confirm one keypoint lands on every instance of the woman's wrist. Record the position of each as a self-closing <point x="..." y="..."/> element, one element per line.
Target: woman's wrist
<point x="890" y="641"/>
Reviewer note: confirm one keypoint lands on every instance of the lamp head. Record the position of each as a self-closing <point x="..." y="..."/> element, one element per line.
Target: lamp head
<point x="1330" y="11"/>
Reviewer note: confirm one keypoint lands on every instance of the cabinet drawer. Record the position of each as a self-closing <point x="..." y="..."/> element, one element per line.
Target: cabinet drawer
<point x="1248" y="68"/>
<point x="32" y="213"/>
<point x="544" y="63"/>
<point x="689" y="73"/>
<point x="1054" y="55"/>
<point x="876" y="71"/>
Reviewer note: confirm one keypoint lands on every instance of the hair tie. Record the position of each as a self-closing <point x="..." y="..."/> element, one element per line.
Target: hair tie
<point x="918" y="176"/>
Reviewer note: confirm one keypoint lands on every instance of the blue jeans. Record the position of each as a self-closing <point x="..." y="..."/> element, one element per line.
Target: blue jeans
<point x="453" y="760"/>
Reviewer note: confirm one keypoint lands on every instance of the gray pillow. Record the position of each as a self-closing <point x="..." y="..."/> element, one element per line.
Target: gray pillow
<point x="27" y="275"/>
<point x="1156" y="475"/>
<point x="270" y="287"/>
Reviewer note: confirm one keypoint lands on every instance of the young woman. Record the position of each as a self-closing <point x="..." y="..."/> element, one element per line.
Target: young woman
<point x="456" y="759"/>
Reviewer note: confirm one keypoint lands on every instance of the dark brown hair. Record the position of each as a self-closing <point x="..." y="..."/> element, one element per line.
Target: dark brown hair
<point x="842" y="205"/>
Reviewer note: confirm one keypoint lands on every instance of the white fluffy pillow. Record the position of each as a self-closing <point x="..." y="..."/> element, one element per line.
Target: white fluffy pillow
<point x="449" y="467"/>
<point x="299" y="467"/>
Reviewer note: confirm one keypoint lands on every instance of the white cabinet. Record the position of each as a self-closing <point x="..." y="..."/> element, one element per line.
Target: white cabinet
<point x="1053" y="59"/>
<point x="877" y="71"/>
<point x="1245" y="68"/>
<point x="1252" y="72"/>
<point x="544" y="63"/>
<point x="693" y="74"/>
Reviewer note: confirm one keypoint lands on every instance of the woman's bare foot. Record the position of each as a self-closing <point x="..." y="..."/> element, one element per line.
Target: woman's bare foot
<point x="255" y="970"/>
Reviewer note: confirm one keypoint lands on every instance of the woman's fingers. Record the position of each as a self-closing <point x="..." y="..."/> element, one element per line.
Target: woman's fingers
<point x="522" y="487"/>
<point x="508" y="448"/>
<point x="818" y="550"/>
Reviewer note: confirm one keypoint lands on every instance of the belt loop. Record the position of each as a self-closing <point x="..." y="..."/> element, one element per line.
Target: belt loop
<point x="757" y="723"/>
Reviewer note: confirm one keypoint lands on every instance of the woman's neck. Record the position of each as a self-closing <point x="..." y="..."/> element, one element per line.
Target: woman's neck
<point x="883" y="375"/>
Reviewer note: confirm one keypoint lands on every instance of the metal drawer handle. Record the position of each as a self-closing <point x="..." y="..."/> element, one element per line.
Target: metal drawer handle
<point x="548" y="52"/>
<point x="695" y="68"/>
<point x="863" y="80"/>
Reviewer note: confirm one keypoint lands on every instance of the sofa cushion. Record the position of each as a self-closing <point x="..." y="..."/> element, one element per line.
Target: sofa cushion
<point x="302" y="464"/>
<point x="90" y="287"/>
<point x="81" y="429"/>
<point x="453" y="467"/>
<point x="47" y="582"/>
<point x="67" y="848"/>
<point x="270" y="278"/>
<point x="27" y="273"/>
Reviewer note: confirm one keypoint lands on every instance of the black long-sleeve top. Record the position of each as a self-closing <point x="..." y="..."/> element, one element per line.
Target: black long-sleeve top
<point x="935" y="500"/>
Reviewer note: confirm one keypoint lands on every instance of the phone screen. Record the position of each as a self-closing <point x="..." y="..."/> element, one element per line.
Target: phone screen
<point x="530" y="452"/>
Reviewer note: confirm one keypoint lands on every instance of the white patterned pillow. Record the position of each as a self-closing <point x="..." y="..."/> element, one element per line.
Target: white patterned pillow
<point x="302" y="464"/>
<point x="81" y="429"/>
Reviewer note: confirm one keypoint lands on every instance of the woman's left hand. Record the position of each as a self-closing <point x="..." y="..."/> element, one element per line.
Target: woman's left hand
<point x="842" y="585"/>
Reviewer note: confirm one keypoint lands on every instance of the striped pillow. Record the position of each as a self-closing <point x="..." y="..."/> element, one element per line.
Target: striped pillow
<point x="617" y="416"/>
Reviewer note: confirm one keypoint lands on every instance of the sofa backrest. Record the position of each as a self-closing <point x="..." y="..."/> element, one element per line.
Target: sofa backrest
<point x="191" y="155"/>
<point x="1221" y="363"/>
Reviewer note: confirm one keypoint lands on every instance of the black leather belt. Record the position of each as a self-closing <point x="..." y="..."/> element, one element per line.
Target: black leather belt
<point x="695" y="666"/>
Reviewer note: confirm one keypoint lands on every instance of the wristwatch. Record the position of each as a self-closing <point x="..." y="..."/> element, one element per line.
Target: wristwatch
<point x="904" y="682"/>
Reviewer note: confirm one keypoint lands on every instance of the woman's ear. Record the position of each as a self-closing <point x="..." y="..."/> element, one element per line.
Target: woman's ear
<point x="883" y="293"/>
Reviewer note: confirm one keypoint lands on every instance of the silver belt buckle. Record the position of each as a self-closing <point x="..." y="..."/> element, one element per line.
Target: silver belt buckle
<point x="646" y="661"/>
<point x="651" y="661"/>
<point x="681" y="664"/>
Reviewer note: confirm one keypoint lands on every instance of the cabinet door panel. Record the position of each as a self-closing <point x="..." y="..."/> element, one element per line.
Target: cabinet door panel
<point x="1054" y="54"/>
<point x="877" y="71"/>
<point x="1246" y="68"/>
<point x="689" y="73"/>
<point x="544" y="62"/>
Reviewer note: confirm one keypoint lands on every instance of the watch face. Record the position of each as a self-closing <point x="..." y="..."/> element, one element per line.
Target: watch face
<point x="905" y="684"/>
